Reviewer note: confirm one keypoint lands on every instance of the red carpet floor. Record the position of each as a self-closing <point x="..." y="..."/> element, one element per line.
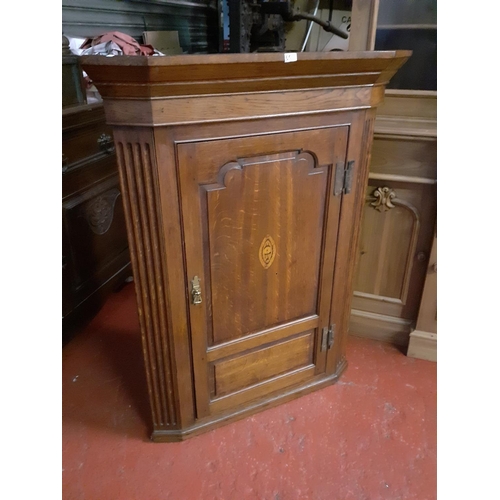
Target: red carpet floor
<point x="371" y="436"/>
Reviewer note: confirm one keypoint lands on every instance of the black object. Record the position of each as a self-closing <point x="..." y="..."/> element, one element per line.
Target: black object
<point x="420" y="72"/>
<point x="259" y="25"/>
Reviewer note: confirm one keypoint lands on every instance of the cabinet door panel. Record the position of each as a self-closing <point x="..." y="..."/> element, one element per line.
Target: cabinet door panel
<point x="396" y="232"/>
<point x="259" y="220"/>
<point x="257" y="366"/>
<point x="387" y="246"/>
<point x="255" y="215"/>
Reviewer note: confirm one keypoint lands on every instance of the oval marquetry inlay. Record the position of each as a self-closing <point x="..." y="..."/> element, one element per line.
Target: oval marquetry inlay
<point x="267" y="252"/>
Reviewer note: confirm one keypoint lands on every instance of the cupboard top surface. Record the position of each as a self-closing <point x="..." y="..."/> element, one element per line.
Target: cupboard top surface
<point x="228" y="59"/>
<point x="171" y="76"/>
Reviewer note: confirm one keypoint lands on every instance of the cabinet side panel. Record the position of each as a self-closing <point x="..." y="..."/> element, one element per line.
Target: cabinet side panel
<point x="138" y="175"/>
<point x="359" y="147"/>
<point x="427" y="316"/>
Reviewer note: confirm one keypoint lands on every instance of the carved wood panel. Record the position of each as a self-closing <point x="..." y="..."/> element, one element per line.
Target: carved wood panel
<point x="397" y="225"/>
<point x="393" y="249"/>
<point x="94" y="222"/>
<point x="100" y="210"/>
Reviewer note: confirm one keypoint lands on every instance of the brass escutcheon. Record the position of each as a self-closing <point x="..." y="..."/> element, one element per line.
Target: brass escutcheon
<point x="195" y="291"/>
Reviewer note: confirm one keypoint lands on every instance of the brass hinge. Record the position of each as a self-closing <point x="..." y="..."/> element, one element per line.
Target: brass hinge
<point x="327" y="337"/>
<point x="331" y="335"/>
<point x="343" y="178"/>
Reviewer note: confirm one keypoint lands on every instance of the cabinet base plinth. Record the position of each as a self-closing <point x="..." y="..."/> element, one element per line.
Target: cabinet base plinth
<point x="380" y="327"/>
<point x="423" y="345"/>
<point x="206" y="425"/>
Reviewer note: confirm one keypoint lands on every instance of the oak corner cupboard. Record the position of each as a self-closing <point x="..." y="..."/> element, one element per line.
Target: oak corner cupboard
<point x="243" y="181"/>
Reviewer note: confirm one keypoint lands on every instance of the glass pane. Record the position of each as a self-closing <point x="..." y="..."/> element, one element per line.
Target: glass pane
<point x="407" y="12"/>
<point x="419" y="72"/>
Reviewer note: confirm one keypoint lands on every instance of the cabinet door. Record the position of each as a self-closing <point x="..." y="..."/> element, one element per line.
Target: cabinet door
<point x="260" y="226"/>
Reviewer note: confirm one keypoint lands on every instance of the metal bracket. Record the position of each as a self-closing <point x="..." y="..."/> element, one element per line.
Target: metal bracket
<point x="106" y="144"/>
<point x="343" y="178"/>
<point x="331" y="336"/>
<point x="338" y="185"/>
<point x="324" y="339"/>
<point x="349" y="171"/>
<point x="327" y="337"/>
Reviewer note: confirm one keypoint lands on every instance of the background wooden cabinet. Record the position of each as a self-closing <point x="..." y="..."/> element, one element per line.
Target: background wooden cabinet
<point x="423" y="340"/>
<point x="398" y="220"/>
<point x="94" y="239"/>
<point x="399" y="214"/>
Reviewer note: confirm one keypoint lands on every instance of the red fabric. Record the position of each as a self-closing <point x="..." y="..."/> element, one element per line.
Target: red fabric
<point x="129" y="45"/>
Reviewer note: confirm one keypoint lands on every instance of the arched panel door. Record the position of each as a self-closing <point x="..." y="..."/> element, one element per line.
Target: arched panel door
<point x="260" y="218"/>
